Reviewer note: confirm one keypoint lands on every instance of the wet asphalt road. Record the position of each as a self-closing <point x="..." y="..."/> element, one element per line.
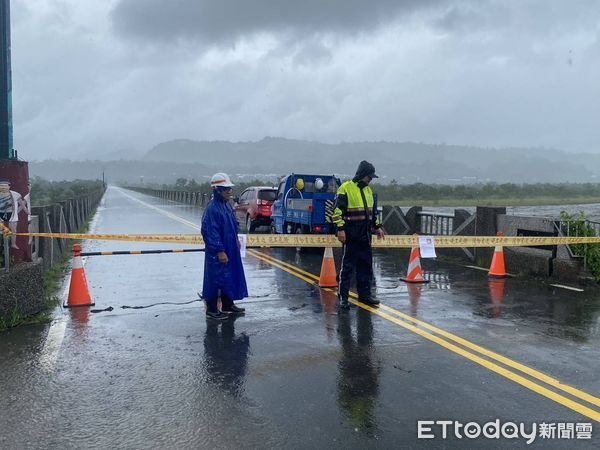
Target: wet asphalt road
<point x="292" y="372"/>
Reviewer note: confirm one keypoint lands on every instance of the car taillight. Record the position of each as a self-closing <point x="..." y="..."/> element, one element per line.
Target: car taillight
<point x="317" y="229"/>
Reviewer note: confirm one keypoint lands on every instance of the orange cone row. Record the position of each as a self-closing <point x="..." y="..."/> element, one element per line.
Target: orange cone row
<point x="79" y="294"/>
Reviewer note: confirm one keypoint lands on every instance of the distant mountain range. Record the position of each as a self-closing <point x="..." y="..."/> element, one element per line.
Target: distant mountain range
<point x="406" y="162"/>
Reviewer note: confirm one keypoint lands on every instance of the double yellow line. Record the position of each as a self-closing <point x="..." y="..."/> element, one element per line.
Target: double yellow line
<point x="510" y="369"/>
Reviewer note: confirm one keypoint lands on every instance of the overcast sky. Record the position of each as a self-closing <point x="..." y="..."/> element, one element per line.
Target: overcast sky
<point x="123" y="75"/>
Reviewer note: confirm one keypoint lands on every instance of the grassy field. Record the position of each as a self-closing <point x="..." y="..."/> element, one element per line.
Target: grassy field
<point x="537" y="201"/>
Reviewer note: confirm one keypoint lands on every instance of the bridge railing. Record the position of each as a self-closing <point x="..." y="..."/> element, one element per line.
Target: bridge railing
<point x="188" y="197"/>
<point x="5" y="253"/>
<point x="34" y="227"/>
<point x="578" y="228"/>
<point x="436" y="223"/>
<point x="68" y="216"/>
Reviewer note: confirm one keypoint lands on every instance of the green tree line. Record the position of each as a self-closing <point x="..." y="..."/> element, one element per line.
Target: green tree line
<point x="44" y="192"/>
<point x="420" y="191"/>
<point x="183" y="184"/>
<point x="395" y="191"/>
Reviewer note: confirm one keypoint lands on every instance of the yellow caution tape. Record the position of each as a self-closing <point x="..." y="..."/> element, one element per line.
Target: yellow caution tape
<point x="5" y="230"/>
<point x="406" y="241"/>
<point x="316" y="240"/>
<point x="175" y="238"/>
<point x="486" y="241"/>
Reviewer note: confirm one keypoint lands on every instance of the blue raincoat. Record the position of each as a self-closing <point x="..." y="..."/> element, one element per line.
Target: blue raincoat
<point x="219" y="230"/>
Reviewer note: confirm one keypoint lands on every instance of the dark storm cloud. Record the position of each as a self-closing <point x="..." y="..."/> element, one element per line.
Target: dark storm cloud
<point x="479" y="72"/>
<point x="529" y="18"/>
<point x="224" y="21"/>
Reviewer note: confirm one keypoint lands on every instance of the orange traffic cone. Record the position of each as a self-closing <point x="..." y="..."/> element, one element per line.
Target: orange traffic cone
<point x="414" y="274"/>
<point x="497" y="269"/>
<point x="79" y="295"/>
<point x="328" y="273"/>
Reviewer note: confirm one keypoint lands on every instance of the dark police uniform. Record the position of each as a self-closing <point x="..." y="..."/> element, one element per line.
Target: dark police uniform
<point x="355" y="214"/>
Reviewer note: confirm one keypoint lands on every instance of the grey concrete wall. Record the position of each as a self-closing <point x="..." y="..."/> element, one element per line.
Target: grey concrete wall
<point x="21" y="290"/>
<point x="555" y="262"/>
<point x="395" y="221"/>
<point x="486" y="224"/>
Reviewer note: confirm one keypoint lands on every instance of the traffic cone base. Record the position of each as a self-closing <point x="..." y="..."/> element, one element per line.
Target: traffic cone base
<point x="417" y="281"/>
<point x="328" y="273"/>
<point x="79" y="294"/>
<point x="414" y="272"/>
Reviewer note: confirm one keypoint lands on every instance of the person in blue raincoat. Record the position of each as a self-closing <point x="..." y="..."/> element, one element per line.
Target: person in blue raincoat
<point x="223" y="270"/>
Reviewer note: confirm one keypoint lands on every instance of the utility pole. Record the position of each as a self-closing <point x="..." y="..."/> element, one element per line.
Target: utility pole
<point x="6" y="126"/>
<point x="11" y="169"/>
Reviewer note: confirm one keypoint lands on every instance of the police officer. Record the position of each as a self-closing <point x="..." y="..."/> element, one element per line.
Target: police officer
<point x="356" y="220"/>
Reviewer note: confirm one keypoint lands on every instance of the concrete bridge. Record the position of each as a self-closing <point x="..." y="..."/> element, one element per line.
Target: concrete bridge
<point x="558" y="263"/>
<point x="293" y="372"/>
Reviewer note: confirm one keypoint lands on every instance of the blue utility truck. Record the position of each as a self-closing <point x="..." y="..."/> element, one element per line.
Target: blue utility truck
<point x="304" y="204"/>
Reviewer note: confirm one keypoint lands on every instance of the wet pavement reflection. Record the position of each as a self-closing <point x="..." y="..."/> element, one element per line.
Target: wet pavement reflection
<point x="358" y="378"/>
<point x="226" y="356"/>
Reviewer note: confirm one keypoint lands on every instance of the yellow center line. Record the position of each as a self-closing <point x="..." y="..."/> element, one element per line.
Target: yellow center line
<point x="311" y="279"/>
<point x="285" y="269"/>
<point x="477" y="348"/>
<point x="578" y="407"/>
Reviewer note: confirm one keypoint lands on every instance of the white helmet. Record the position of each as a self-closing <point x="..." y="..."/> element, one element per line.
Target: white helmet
<point x="221" y="179"/>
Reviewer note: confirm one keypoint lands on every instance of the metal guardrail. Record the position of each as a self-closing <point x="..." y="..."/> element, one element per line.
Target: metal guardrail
<point x="34" y="242"/>
<point x="34" y="227"/>
<point x="565" y="228"/>
<point x="6" y="253"/>
<point x="436" y="223"/>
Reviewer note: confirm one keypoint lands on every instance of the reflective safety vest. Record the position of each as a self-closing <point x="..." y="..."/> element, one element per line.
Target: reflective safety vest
<point x="355" y="211"/>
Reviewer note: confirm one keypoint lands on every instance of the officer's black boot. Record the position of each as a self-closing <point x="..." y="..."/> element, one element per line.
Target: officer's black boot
<point x="369" y="301"/>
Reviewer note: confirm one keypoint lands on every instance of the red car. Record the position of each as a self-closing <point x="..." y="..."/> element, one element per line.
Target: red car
<point x="253" y="207"/>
